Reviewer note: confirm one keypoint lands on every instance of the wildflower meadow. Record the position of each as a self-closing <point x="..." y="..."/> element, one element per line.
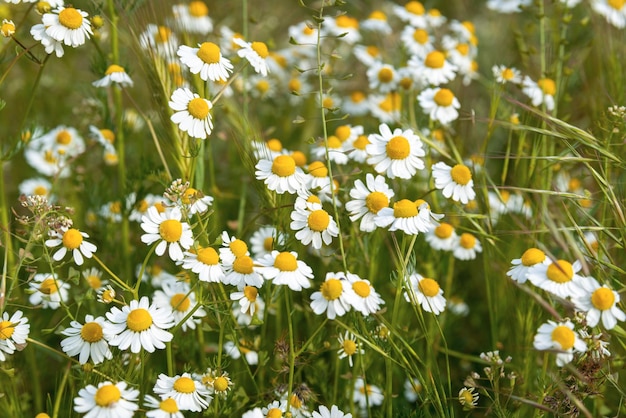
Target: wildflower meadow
<point x="312" y="208"/>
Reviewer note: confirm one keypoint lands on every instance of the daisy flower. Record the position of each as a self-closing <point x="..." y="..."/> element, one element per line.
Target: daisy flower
<point x="14" y="330"/>
<point x="247" y="299"/>
<point x="467" y="247"/>
<point x="382" y="77"/>
<point x="439" y="104"/>
<point x="336" y="152"/>
<point x="217" y="383"/>
<point x="242" y="272"/>
<point x="413" y="13"/>
<point x="50" y="45"/>
<point x="255" y="53"/>
<point x="356" y="104"/>
<point x="139" y="325"/>
<point x="333" y="412"/>
<point x="253" y="301"/>
<point x="192" y="113"/>
<point x="434" y="69"/>
<point x="114" y="74"/>
<point x="87" y="340"/>
<point x="195" y="201"/>
<point x="232" y="248"/>
<point x="454" y="182"/>
<point x="67" y="25"/>
<point x="140" y="208"/>
<point x="560" y="337"/>
<point x="349" y="346"/>
<point x="365" y="395"/>
<point x="48" y="290"/>
<point x="468" y="398"/>
<point x="332" y="298"/>
<point x="377" y="22"/>
<point x="412" y="389"/>
<point x="313" y="225"/>
<point x="613" y="11"/>
<point x="386" y="108"/>
<point x="64" y="141"/>
<point x="304" y="33"/>
<point x="37" y="186"/>
<point x="411" y="217"/>
<point x="558" y="277"/>
<point x="177" y="296"/>
<point x="206" y="60"/>
<point x="74" y="241"/>
<point x="284" y="268"/>
<point x="417" y="41"/>
<point x="159" y="40"/>
<point x="442" y="238"/>
<point x="166" y="228"/>
<point x="395" y="154"/>
<point x="107" y="400"/>
<point x="106" y="294"/>
<point x="521" y="266"/>
<point x="189" y="394"/>
<point x="266" y="239"/>
<point x="426" y="292"/>
<point x="507" y="6"/>
<point x="541" y="92"/>
<point x="205" y="262"/>
<point x="234" y="351"/>
<point x="345" y="27"/>
<point x="193" y="17"/>
<point x="274" y="409"/>
<point x="362" y="296"/>
<point x="368" y="55"/>
<point x="504" y="74"/>
<point x="281" y="174"/>
<point x="166" y="408"/>
<point x="600" y="303"/>
<point x="7" y="29"/>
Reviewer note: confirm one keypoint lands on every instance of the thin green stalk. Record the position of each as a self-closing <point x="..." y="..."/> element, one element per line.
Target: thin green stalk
<point x="292" y="356"/>
<point x="59" y="395"/>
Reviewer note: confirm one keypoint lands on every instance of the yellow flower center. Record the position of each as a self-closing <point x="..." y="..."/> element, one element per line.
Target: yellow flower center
<point x="108" y="135"/>
<point x="444" y="230"/>
<point x="64" y="137"/>
<point x="533" y="256"/>
<point x="318" y="220"/>
<point x="238" y="247"/>
<point x="560" y="271"/>
<point x="40" y="191"/>
<point x="163" y="34"/>
<point x="208" y="256"/>
<point x="114" y="68"/>
<point x="286" y="261"/>
<point x="169" y="405"/>
<point x="444" y="97"/>
<point x="262" y="86"/>
<point x="6" y="330"/>
<point x="398" y="148"/>
<point x="274" y="144"/>
<point x="299" y="158"/>
<point x="94" y="281"/>
<point x="107" y="395"/>
<point x="184" y="384"/>
<point x="198" y="108"/>
<point x="378" y="15"/>
<point x="375" y="201"/>
<point x="139" y="320"/>
<point x="435" y="59"/>
<point x="617" y="4"/>
<point x="243" y="265"/>
<point x="461" y="174"/>
<point x="70" y="18"/>
<point x="404" y="209"/>
<point x="349" y="347"/>
<point x="180" y="302"/>
<point x="361" y="142"/>
<point x="318" y="169"/>
<point x="220" y="384"/>
<point x="344" y="21"/>
<point x="188" y="195"/>
<point x="115" y="207"/>
<point x="331" y="289"/>
<point x="49" y="157"/>
<point x="343" y="132"/>
<point x="507" y="74"/>
<point x="313" y="199"/>
<point x="260" y="48"/>
<point x="268" y="244"/>
<point x="385" y="75"/>
<point x="171" y="230"/>
<point x="429" y="287"/>
<point x="198" y="9"/>
<point x="334" y="142"/>
<point x="414" y="7"/>
<point x="574" y="184"/>
<point x="467" y="241"/>
<point x="463" y="49"/>
<point x="7" y="29"/>
<point x="49" y="286"/>
<point x="466" y="397"/>
<point x="420" y="36"/>
<point x="283" y="166"/>
<point x="209" y="53"/>
<point x="603" y="298"/>
<point x="327" y="103"/>
<point x="548" y="86"/>
<point x="357" y="96"/>
<point x="108" y="296"/>
<point x="274" y="413"/>
<point x="250" y="292"/>
<point x="361" y="288"/>
<point x="564" y="336"/>
<point x="91" y="332"/>
<point x="294" y="85"/>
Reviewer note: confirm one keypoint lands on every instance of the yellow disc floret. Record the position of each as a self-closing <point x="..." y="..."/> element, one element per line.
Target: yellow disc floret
<point x="91" y="332"/>
<point x="398" y="148"/>
<point x="404" y="208"/>
<point x="171" y="230"/>
<point x="564" y="336"/>
<point x="283" y="166"/>
<point x="560" y="271"/>
<point x="209" y="53"/>
<point x="286" y="261"/>
<point x="184" y="384"/>
<point x="461" y="174"/>
<point x="318" y="220"/>
<point x="375" y="201"/>
<point x="107" y="394"/>
<point x="70" y="18"/>
<point x="139" y="320"/>
<point x="198" y="108"/>
<point x="533" y="256"/>
<point x="444" y="97"/>
<point x="180" y="302"/>
<point x="603" y="298"/>
<point x="331" y="289"/>
<point x="435" y="59"/>
<point x="428" y="287"/>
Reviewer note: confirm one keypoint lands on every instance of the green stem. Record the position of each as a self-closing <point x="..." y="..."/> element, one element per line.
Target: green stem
<point x="292" y="353"/>
<point x="59" y="394"/>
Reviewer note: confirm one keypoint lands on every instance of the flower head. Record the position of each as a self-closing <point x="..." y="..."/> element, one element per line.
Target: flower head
<point x="559" y="277"/>
<point x="190" y="394"/>
<point x="332" y="298"/>
<point x="205" y="262"/>
<point x="368" y="200"/>
<point x="14" y="330"/>
<point x="410" y="217"/>
<point x="177" y="296"/>
<point x="440" y="104"/>
<point x="67" y="25"/>
<point x="192" y="113"/>
<point x="426" y="292"/>
<point x="284" y="268"/>
<point x="397" y="153"/>
<point x="206" y="60"/>
<point x="521" y="266"/>
<point x="107" y="400"/>
<point x="313" y="224"/>
<point x="255" y="53"/>
<point x="87" y="340"/>
<point x="114" y="74"/>
<point x="560" y="337"/>
<point x="168" y="229"/>
<point x="600" y="303"/>
<point x="349" y="346"/>
<point x="281" y="174"/>
<point x="71" y="240"/>
<point x="48" y="290"/>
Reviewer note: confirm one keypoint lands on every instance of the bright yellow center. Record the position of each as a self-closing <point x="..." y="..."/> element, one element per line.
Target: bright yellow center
<point x="318" y="169"/>
<point x="40" y="191"/>
<point x="343" y="132"/>
<point x="107" y="395"/>
<point x="72" y="239"/>
<point x="114" y="69"/>
<point x="198" y="108"/>
<point x="274" y="413"/>
<point x="49" y="157"/>
<point x="375" y="201"/>
<point x="299" y="157"/>
<point x="274" y="144"/>
<point x="444" y="230"/>
<point x="198" y="9"/>
<point x="283" y="166"/>
<point x="385" y="75"/>
<point x="414" y="7"/>
<point x="250" y="292"/>
<point x="361" y="288"/>
<point x="378" y="15"/>
<point x="7" y="28"/>
<point x="208" y="256"/>
<point x="564" y="336"/>
<point x="238" y="247"/>
<point x="361" y="142"/>
<point x="533" y="256"/>
<point x="48" y="286"/>
<point x="333" y="142"/>
<point x="163" y="34"/>
<point x="184" y="384"/>
<point x="331" y="289"/>
<point x="108" y="135"/>
<point x="169" y="405"/>
<point x="560" y="271"/>
<point x="286" y="261"/>
<point x="547" y="85"/>
<point x="327" y="103"/>
<point x="463" y="49"/>
<point x="574" y="184"/>
<point x="435" y="59"/>
<point x="404" y="209"/>
<point x="243" y="265"/>
<point x="603" y="298"/>
<point x="91" y="332"/>
<point x="294" y="85"/>
<point x="318" y="220"/>
<point x="507" y="74"/>
<point x="313" y="199"/>
<point x="171" y="230"/>
<point x="6" y="330"/>
<point x="220" y="384"/>
<point x="64" y="137"/>
<point x="262" y="86"/>
<point x="357" y="96"/>
<point x="209" y="53"/>
<point x="180" y="302"/>
<point x="461" y="174"/>
<point x="444" y="97"/>
<point x="349" y="347"/>
<point x="344" y="21"/>
<point x="398" y="148"/>
<point x="188" y="195"/>
<point x="94" y="281"/>
<point x="373" y="50"/>
<point x="467" y="397"/>
<point x="467" y="241"/>
<point x="260" y="48"/>
<point x="429" y="287"/>
<point x="268" y="244"/>
<point x="617" y="4"/>
<point x="70" y="18"/>
<point x="139" y="320"/>
<point x="420" y="36"/>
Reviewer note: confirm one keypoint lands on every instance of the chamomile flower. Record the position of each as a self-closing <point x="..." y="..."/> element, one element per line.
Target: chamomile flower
<point x="600" y="303"/>
<point x="218" y="383"/>
<point x="395" y="154"/>
<point x="107" y="400"/>
<point x="541" y="92"/>
<point x="14" y="330"/>
<point x="159" y="40"/>
<point x="345" y="27"/>
<point x="114" y="74"/>
<point x="521" y="266"/>
<point x="50" y="45"/>
<point x="281" y="174"/>
<point x="333" y="412"/>
<point x="235" y="351"/>
<point x="313" y="224"/>
<point x="386" y="108"/>
<point x="382" y="77"/>
<point x="349" y="346"/>
<point x="467" y="247"/>
<point x="377" y="22"/>
<point x="242" y="272"/>
<point x="362" y="296"/>
<point x="417" y="41"/>
<point x="140" y="207"/>
<point x="275" y="409"/>
<point x="192" y="113"/>
<point x="177" y="296"/>
<point x="63" y="141"/>
<point x="559" y="277"/>
<point x="166" y="408"/>
<point x="67" y="25"/>
<point x="561" y="337"/>
<point x="138" y="325"/>
<point x="356" y="104"/>
<point x="48" y="290"/>
<point x="454" y="182"/>
<point x="613" y="11"/>
<point x="504" y="74"/>
<point x="366" y="394"/>
<point x="87" y="340"/>
<point x="426" y="292"/>
<point x="266" y="239"/>
<point x="336" y="152"/>
<point x="106" y="294"/>
<point x="304" y="34"/>
<point x="7" y="29"/>
<point x="247" y="299"/>
<point x="284" y="268"/>
<point x="71" y="240"/>
<point x="194" y="201"/>
<point x="332" y="298"/>
<point x="168" y="230"/>
<point x="442" y="238"/>
<point x="189" y="394"/>
<point x="253" y="301"/>
<point x="206" y="60"/>
<point x="232" y="247"/>
<point x="368" y="200"/>
<point x="468" y="398"/>
<point x="410" y="217"/>
<point x="439" y="104"/>
<point x="193" y="17"/>
<point x="507" y="6"/>
<point x="37" y="186"/>
<point x="413" y="13"/>
<point x="412" y="389"/>
<point x="255" y="53"/>
<point x="434" y="69"/>
<point x="205" y="262"/>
